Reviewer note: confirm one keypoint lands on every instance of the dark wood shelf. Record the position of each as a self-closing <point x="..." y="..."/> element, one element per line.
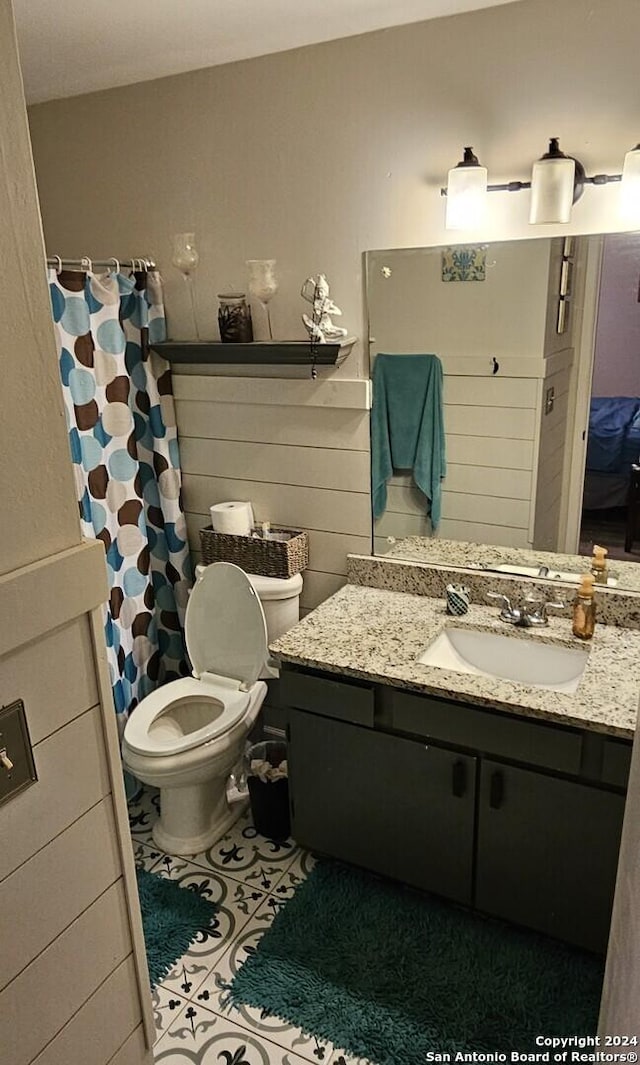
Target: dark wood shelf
<point x="260" y="352"/>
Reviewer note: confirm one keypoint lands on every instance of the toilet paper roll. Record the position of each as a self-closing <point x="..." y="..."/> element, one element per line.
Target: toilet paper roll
<point x="234" y="518"/>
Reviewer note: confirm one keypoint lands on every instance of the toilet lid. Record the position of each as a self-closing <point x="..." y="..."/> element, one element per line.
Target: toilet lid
<point x="225" y="628"/>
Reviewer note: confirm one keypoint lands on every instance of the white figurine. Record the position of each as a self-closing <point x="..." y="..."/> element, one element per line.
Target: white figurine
<point x="320" y="327"/>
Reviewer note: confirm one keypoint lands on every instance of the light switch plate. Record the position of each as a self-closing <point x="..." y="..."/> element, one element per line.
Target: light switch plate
<point x="14" y="740"/>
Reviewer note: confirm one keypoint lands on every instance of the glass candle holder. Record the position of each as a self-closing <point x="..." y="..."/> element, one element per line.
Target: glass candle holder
<point x="263" y="284"/>
<point x="185" y="258"/>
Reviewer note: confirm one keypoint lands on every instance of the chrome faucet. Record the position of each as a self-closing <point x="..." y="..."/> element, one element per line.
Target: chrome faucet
<point x="524" y="616"/>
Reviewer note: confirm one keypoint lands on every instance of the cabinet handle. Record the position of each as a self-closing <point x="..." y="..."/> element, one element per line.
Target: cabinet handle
<point x="496" y="791"/>
<point x="459" y="779"/>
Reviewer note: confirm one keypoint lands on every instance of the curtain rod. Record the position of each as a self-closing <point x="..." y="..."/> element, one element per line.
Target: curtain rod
<point x="86" y="263"/>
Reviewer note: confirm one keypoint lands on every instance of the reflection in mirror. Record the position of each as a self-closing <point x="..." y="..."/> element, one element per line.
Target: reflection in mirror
<point x="550" y="567"/>
<point x="539" y="342"/>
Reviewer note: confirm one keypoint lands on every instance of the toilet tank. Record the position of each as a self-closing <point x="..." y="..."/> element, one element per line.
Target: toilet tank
<point x="280" y="598"/>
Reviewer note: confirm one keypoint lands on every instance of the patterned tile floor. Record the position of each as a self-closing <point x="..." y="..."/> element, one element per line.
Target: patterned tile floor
<point x="249" y="878"/>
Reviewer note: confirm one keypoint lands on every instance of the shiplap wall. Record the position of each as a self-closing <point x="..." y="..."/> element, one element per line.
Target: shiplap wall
<point x="70" y="965"/>
<point x="490" y="428"/>
<point x="298" y="450"/>
<point x="505" y="462"/>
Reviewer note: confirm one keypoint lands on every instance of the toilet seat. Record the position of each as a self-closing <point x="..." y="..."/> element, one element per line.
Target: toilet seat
<point x="143" y="738"/>
<point x="226" y="637"/>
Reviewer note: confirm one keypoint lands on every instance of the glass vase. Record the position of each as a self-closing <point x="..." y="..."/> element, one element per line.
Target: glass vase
<point x="234" y="319"/>
<point x="263" y="285"/>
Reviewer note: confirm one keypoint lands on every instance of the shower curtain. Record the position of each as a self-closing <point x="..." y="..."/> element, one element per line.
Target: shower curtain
<point x="124" y="448"/>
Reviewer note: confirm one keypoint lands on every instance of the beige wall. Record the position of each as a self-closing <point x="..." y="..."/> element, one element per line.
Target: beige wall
<point x="504" y="315"/>
<point x="72" y="962"/>
<point x="39" y="515"/>
<point x="314" y="155"/>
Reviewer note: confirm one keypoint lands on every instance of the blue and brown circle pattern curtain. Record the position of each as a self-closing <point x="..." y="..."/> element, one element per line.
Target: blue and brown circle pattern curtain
<point x="124" y="448"/>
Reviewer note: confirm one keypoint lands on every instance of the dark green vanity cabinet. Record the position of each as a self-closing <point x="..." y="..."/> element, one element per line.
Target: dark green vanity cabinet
<point x="516" y="817"/>
<point x="362" y="796"/>
<point x="547" y="853"/>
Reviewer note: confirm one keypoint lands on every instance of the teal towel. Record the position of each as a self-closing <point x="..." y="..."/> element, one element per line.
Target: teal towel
<point x="407" y="427"/>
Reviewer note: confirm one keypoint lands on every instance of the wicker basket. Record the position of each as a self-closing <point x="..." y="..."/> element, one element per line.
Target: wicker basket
<point x="269" y="558"/>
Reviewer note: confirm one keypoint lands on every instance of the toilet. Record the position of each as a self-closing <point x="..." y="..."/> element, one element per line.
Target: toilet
<point x="187" y="736"/>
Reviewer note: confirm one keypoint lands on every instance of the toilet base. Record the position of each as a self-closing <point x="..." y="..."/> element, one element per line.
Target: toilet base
<point x="196" y="833"/>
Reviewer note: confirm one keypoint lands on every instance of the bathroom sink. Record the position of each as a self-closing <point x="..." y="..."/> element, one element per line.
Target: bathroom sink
<point x="492" y="654"/>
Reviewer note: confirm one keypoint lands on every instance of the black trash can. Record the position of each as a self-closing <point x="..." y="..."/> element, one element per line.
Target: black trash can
<point x="269" y="788"/>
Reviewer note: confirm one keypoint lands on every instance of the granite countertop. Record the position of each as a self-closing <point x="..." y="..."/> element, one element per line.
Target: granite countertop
<point x="377" y="635"/>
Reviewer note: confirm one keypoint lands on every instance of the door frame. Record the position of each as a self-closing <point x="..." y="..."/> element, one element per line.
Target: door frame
<point x="580" y="390"/>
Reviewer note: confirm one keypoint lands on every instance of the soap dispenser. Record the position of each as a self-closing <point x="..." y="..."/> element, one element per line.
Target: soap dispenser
<point x="599" y="564"/>
<point x="584" y="609"/>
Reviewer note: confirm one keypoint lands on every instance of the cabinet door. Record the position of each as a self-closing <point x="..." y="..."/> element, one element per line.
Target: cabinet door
<point x="548" y="853"/>
<point x="395" y="806"/>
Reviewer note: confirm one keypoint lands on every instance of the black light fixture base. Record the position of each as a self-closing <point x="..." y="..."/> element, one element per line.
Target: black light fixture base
<point x="581" y="179"/>
<point x="578" y="180"/>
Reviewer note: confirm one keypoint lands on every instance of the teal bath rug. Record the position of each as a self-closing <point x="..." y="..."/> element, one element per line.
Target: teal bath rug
<point x="172" y="917"/>
<point x="389" y="974"/>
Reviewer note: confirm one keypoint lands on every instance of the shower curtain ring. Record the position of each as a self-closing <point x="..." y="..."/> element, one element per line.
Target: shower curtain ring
<point x="116" y="263"/>
<point x="89" y="264"/>
<point x="58" y="266"/>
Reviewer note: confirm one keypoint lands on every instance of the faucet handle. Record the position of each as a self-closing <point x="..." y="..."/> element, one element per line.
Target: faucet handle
<point x="555" y="606"/>
<point x="507" y="613"/>
<point x="506" y="602"/>
<point x="540" y="615"/>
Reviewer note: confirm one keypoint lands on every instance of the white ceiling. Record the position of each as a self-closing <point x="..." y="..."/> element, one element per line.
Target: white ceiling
<point x="69" y="47"/>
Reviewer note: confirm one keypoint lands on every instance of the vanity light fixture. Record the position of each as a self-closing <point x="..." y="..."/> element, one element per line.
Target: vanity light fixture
<point x="467" y="192"/>
<point x="557" y="182"/>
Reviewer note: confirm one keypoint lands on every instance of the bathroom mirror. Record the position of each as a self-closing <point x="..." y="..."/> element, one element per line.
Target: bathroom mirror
<point x="539" y="342"/>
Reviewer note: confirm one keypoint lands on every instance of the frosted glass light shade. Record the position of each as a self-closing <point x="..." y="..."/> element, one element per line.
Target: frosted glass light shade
<point x="466" y="196"/>
<point x="630" y="186"/>
<point x="552" y="190"/>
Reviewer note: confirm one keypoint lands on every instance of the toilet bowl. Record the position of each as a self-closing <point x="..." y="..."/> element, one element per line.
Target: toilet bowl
<point x="187" y="736"/>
